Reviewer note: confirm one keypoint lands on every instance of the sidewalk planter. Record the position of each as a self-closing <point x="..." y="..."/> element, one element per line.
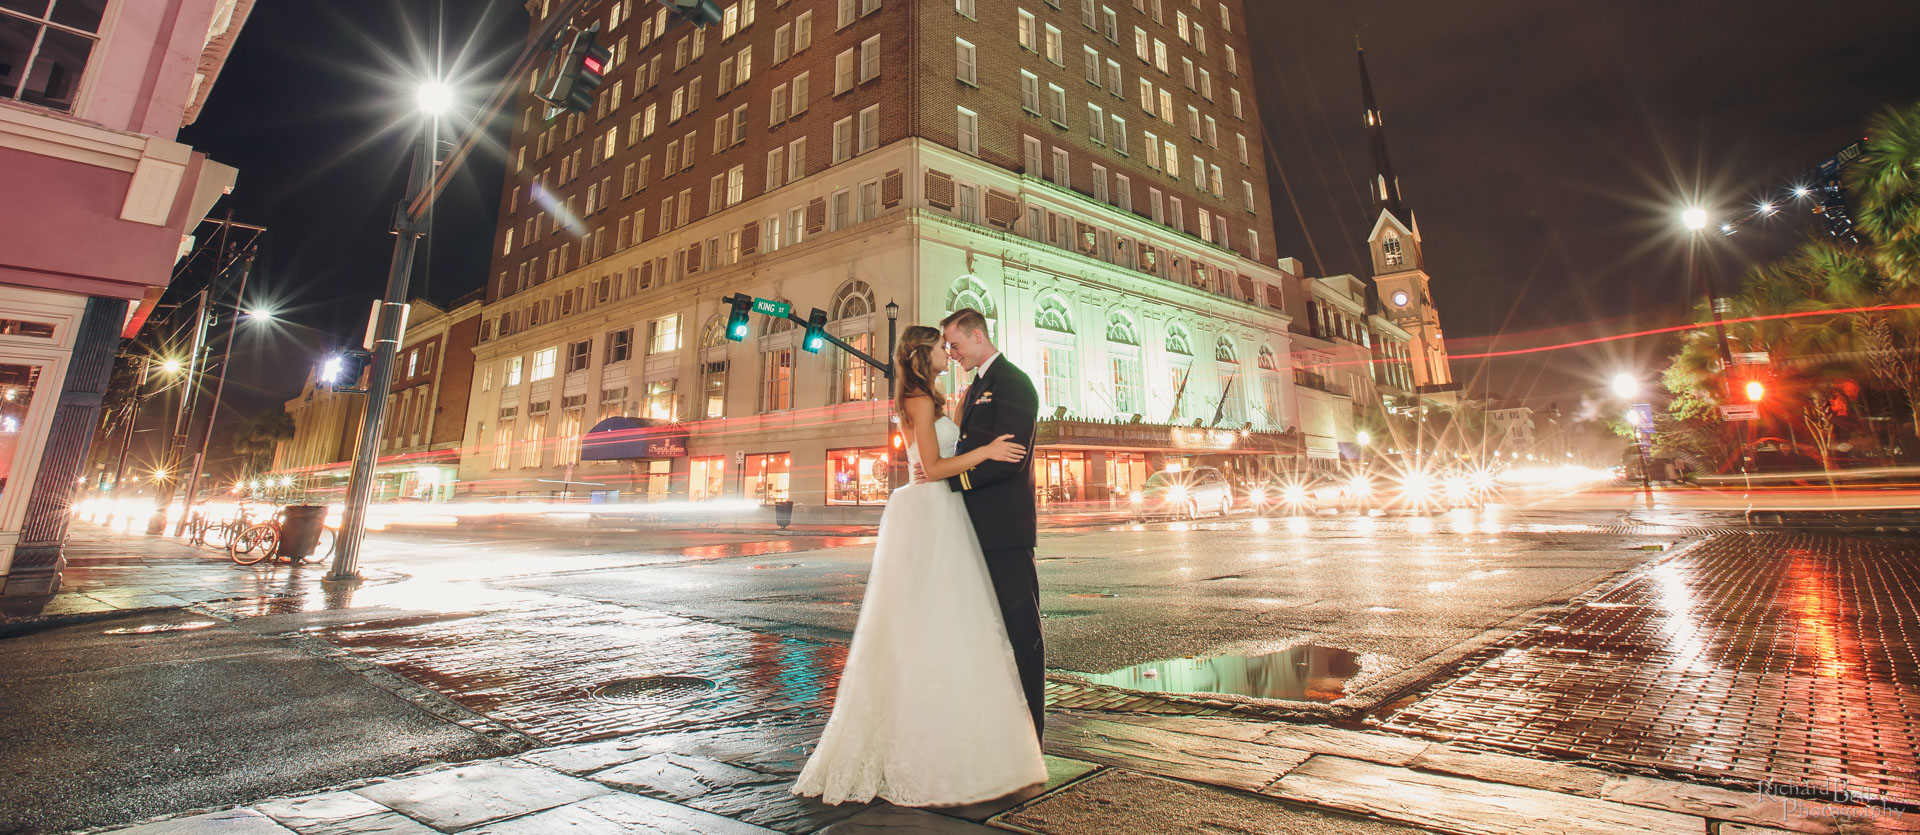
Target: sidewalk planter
<point x="300" y="531"/>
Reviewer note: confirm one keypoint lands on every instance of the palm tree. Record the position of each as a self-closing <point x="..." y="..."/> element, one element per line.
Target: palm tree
<point x="1885" y="185"/>
<point x="256" y="440"/>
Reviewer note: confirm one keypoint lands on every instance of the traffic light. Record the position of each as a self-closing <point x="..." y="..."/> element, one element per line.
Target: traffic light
<point x="701" y="13"/>
<point x="1755" y="391"/>
<point x="816" y="332"/>
<point x="737" y="317"/>
<point x="580" y="73"/>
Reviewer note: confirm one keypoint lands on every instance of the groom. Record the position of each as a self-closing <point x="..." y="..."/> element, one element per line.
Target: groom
<point x="1000" y="494"/>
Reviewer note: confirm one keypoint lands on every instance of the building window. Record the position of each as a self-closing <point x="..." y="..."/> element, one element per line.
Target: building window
<point x="571" y="423"/>
<point x="660" y="400"/>
<point x="870" y="59"/>
<point x="967" y="131"/>
<point x="52" y="50"/>
<point x="1390" y="250"/>
<point x="1062" y="169"/>
<point x="503" y="445"/>
<point x="1057" y="105"/>
<point x="543" y="364"/>
<point x="843" y="140"/>
<point x="766" y="478"/>
<point x="578" y="355"/>
<point x="713" y="388"/>
<point x="965" y="68"/>
<point x="619" y="346"/>
<point x="776" y="380"/>
<point x="1056" y="371"/>
<point x="857" y="476"/>
<point x="706" y="478"/>
<point x="869" y="128"/>
<point x="1128" y="394"/>
<point x="968" y="204"/>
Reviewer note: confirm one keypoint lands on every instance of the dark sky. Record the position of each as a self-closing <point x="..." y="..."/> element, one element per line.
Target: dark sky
<point x="1545" y="147"/>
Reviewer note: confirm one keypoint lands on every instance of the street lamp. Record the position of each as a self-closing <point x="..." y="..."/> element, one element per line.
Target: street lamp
<point x="1695" y="218"/>
<point x="171" y="366"/>
<point x="409" y="226"/>
<point x="1625" y="385"/>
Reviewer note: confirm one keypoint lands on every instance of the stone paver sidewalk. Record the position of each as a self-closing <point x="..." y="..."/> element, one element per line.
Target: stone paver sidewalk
<point x="1108" y="774"/>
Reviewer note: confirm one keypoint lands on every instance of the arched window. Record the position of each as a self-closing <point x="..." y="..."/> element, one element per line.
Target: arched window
<point x="1120" y="328"/>
<point x="853" y="299"/>
<point x="1223" y="351"/>
<point x="778" y="325"/>
<point x="967" y="291"/>
<point x="1390" y="248"/>
<point x="1266" y="360"/>
<point x="1179" y="341"/>
<point x="1123" y="364"/>
<point x="1052" y="314"/>
<point x="1270" y="403"/>
<point x="714" y="335"/>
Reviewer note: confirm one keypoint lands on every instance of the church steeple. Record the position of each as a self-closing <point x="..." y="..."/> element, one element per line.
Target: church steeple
<point x="1385" y="187"/>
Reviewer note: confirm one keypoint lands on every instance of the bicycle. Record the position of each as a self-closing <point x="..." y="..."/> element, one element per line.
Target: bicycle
<point x="202" y="530"/>
<point x="261" y="541"/>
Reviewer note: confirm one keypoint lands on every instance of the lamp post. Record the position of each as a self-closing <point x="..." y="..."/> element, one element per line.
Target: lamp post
<point x="1626" y="386"/>
<point x="1696" y="220"/>
<point x="409" y="226"/>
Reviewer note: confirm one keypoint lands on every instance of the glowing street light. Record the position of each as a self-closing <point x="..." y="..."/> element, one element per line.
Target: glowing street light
<point x="1625" y="385"/>
<point x="171" y="366"/>
<point x="435" y="98"/>
<point x="1755" y="391"/>
<point x="1695" y="218"/>
<point x="1363" y="437"/>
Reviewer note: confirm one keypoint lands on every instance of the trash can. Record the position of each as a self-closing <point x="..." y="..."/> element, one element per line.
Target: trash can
<point x="783" y="514"/>
<point x="300" y="529"/>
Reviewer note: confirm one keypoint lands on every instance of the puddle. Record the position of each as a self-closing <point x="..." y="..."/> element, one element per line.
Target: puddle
<point x="1303" y="674"/>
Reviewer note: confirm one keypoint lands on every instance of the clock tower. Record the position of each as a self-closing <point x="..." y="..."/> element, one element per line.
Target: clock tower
<point x="1399" y="264"/>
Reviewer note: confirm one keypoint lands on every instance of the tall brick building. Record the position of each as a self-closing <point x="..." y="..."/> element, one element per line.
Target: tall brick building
<point x="1088" y="174"/>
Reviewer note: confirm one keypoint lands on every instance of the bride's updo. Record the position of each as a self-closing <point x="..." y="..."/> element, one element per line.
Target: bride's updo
<point x="913" y="363"/>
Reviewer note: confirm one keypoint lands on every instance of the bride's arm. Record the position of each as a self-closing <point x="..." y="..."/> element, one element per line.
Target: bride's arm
<point x="920" y="418"/>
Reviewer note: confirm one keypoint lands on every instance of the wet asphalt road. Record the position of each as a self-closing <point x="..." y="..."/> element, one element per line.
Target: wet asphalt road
<point x="1395" y="590"/>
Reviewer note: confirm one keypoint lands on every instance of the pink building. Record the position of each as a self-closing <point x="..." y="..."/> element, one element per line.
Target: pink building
<point x="100" y="201"/>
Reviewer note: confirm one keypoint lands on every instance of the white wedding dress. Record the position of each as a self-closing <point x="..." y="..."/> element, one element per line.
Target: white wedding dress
<point x="929" y="711"/>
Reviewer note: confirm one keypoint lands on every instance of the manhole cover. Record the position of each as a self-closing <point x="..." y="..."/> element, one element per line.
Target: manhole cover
<point x="651" y="689"/>
<point x="152" y="628"/>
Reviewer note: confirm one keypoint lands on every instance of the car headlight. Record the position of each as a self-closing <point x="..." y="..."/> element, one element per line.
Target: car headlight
<point x="1417" y="486"/>
<point x="1176" y="493"/>
<point x="1257" y="495"/>
<point x="1360" y="486"/>
<point x="1297" y="494"/>
<point x="1134" y="497"/>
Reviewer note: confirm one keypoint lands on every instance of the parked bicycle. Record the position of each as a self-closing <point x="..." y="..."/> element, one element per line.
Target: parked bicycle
<point x="203" y="530"/>
<point x="262" y="541"/>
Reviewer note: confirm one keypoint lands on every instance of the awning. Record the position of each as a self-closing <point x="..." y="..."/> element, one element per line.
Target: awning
<point x="621" y="438"/>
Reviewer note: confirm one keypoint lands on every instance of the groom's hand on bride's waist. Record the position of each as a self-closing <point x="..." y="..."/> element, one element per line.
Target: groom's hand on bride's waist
<point x="919" y="474"/>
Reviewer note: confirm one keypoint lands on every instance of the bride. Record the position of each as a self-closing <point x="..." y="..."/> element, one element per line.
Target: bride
<point x="929" y="711"/>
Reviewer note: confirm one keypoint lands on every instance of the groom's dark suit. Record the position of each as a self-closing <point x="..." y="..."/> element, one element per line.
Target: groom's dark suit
<point x="1000" y="500"/>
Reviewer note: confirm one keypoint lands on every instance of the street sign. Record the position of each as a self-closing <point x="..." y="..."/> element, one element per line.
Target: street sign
<point x="1740" y="411"/>
<point x="1751" y="358"/>
<point x="772" y="308"/>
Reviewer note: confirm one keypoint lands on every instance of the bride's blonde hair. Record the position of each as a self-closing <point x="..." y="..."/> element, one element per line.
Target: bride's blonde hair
<point x="915" y="371"/>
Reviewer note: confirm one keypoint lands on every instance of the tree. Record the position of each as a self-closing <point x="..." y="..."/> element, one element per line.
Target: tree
<point x="1819" y="415"/>
<point x="1885" y="185"/>
<point x="255" y="440"/>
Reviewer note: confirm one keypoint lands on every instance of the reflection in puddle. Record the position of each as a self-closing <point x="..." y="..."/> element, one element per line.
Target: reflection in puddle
<point x="152" y="628"/>
<point x="1302" y="673"/>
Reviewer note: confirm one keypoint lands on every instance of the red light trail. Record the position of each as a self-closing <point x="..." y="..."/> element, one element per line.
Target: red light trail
<point x="1676" y="328"/>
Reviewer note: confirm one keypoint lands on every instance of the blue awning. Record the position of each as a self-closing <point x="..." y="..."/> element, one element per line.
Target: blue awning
<point x="621" y="438"/>
<point x="1350" y="452"/>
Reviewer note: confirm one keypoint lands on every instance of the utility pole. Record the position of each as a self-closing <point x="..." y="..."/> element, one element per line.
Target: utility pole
<point x="126" y="442"/>
<point x="177" y="442"/>
<point x="219" y="387"/>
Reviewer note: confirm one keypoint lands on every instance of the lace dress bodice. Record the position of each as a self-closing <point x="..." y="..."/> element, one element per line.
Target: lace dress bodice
<point x="946" y="432"/>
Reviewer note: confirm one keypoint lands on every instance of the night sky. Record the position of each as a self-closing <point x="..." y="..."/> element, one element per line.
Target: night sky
<point x="1544" y="146"/>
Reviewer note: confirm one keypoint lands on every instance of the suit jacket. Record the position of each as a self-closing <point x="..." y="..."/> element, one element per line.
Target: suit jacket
<point x="1000" y="494"/>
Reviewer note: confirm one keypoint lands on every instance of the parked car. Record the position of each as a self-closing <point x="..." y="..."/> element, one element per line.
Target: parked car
<point x="1183" y="494"/>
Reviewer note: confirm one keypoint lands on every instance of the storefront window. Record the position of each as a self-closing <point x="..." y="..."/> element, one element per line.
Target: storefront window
<point x="1063" y="476"/>
<point x="17" y="383"/>
<point x="659" y="479"/>
<point x="707" y="478"/>
<point x="1126" y="471"/>
<point x="857" y="476"/>
<point x="767" y="477"/>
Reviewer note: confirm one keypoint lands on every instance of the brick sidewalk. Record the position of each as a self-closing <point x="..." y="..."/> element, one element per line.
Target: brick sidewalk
<point x="1775" y="660"/>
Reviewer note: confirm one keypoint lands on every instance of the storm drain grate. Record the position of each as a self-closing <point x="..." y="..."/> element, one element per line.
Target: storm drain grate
<point x="651" y="689"/>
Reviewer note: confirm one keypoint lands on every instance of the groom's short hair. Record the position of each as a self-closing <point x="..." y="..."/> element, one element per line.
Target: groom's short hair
<point x="967" y="319"/>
